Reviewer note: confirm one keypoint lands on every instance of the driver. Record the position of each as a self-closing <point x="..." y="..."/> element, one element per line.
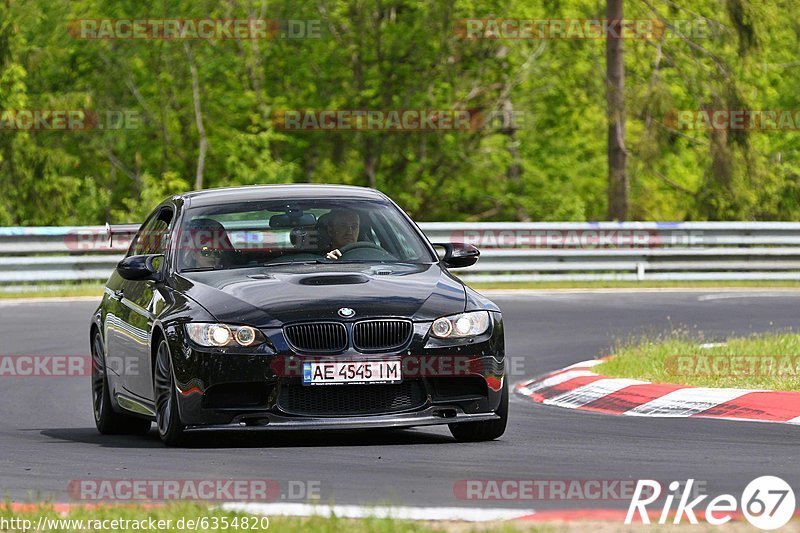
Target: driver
<point x="343" y="228"/>
<point x="205" y="257"/>
<point x="208" y="239"/>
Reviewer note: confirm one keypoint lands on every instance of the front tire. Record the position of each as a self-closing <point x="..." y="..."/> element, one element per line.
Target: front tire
<point x="108" y="421"/>
<point x="483" y="431"/>
<point x="168" y="420"/>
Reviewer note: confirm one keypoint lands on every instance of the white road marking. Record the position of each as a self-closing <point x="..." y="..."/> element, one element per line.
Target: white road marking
<point x="464" y="514"/>
<point x="740" y="291"/>
<point x="586" y="364"/>
<point x="709" y="297"/>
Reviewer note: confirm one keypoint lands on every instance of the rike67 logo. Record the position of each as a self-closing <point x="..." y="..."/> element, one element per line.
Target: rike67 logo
<point x="767" y="502"/>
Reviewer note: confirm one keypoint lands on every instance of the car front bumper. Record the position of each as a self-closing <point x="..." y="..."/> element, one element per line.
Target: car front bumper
<point x="244" y="391"/>
<point x="433" y="415"/>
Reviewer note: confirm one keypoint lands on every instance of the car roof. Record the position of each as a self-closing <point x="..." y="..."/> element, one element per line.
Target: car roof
<point x="278" y="192"/>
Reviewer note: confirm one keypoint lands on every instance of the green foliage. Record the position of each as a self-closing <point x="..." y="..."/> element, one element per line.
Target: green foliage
<point x="401" y="54"/>
<point x="153" y="191"/>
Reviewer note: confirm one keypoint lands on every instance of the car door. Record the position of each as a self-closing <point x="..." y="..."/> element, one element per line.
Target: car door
<point x="119" y="361"/>
<point x="141" y="301"/>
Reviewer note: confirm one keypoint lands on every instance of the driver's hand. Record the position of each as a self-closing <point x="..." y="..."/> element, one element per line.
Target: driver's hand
<point x="334" y="254"/>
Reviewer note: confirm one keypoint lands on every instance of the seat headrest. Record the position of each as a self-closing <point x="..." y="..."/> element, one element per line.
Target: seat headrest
<point x="209" y="232"/>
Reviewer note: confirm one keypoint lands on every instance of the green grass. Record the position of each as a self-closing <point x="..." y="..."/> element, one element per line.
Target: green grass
<point x="194" y="511"/>
<point x="768" y="361"/>
<point x="41" y="290"/>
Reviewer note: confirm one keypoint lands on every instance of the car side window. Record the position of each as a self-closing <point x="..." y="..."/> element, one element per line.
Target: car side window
<point x="157" y="238"/>
<point x="153" y="237"/>
<point x="137" y="246"/>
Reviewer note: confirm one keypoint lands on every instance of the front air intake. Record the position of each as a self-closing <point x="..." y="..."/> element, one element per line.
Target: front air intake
<point x="317" y="337"/>
<point x="381" y="335"/>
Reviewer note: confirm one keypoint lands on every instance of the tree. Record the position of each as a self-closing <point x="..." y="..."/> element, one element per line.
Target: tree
<point x="209" y="118"/>
<point x="615" y="95"/>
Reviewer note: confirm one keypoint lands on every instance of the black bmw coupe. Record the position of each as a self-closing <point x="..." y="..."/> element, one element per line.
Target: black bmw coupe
<point x="294" y="307"/>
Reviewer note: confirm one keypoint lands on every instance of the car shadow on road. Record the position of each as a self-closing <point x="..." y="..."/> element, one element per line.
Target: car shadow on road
<point x="283" y="439"/>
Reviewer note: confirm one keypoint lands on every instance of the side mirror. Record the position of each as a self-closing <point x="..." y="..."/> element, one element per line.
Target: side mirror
<point x="141" y="267"/>
<point x="458" y="254"/>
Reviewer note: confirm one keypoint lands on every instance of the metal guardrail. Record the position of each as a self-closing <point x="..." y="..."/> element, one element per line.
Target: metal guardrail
<point x="510" y="251"/>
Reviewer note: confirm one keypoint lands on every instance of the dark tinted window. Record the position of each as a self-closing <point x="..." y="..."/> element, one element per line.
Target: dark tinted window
<point x="153" y="235"/>
<point x="240" y="234"/>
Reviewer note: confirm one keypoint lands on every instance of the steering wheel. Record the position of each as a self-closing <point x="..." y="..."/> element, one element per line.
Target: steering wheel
<point x="360" y="244"/>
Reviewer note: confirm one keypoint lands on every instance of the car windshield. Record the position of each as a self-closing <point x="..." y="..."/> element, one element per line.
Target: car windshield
<point x="281" y="233"/>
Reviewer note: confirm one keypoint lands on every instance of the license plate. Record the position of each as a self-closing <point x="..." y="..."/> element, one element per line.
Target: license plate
<point x="351" y="373"/>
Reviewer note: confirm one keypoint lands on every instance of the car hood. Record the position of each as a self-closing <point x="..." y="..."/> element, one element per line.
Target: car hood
<point x="270" y="297"/>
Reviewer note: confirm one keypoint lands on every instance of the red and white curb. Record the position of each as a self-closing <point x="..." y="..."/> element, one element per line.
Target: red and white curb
<point x="577" y="387"/>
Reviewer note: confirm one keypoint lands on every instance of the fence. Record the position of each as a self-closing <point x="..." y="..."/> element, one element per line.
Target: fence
<point x="510" y="251"/>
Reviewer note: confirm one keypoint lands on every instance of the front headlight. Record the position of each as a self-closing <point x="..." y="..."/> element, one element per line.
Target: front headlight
<point x="222" y="335"/>
<point x="461" y="325"/>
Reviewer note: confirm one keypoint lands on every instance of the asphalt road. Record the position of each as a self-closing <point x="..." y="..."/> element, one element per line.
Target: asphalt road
<point x="47" y="435"/>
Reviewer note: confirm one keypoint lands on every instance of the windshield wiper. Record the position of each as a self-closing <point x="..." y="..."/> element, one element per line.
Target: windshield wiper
<point x="368" y="261"/>
<point x="201" y="269"/>
<point x="304" y="262"/>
